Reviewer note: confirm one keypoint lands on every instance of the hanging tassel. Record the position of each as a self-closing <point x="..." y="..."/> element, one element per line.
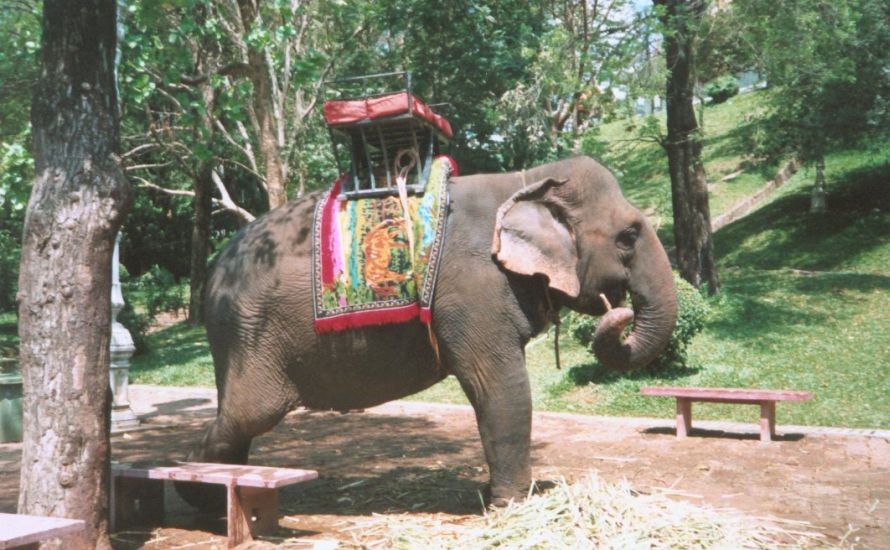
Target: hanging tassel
<point x="554" y="318"/>
<point x="556" y="343"/>
<point x="434" y="342"/>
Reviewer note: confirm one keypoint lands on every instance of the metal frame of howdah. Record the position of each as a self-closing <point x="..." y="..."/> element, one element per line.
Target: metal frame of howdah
<point x="383" y="127"/>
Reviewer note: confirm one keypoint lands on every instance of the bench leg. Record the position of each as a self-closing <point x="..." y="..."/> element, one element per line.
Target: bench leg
<point x="252" y="511"/>
<point x="684" y="417"/>
<point x="136" y="501"/>
<point x="767" y="420"/>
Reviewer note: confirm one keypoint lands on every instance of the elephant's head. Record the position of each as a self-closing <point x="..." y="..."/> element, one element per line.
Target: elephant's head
<point x="572" y="225"/>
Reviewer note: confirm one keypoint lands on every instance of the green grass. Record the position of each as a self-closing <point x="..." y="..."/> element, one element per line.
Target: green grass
<point x="805" y="302"/>
<point x="805" y="305"/>
<point x="641" y="166"/>
<point x="178" y="356"/>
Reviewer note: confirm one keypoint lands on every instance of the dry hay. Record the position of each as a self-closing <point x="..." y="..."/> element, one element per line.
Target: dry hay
<point x="591" y="513"/>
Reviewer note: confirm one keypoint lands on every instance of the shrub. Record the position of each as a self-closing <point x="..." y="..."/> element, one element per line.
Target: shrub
<point x="722" y="88"/>
<point x="691" y="315"/>
<point x="137" y="324"/>
<point x="158" y="290"/>
<point x="10" y="254"/>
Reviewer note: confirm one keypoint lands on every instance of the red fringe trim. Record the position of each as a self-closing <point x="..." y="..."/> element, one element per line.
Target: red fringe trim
<point x="426" y="315"/>
<point x="360" y="319"/>
<point x="454" y="171"/>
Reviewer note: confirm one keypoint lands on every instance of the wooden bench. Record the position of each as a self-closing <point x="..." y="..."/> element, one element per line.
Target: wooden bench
<point x="27" y="532"/>
<point x="252" y="494"/>
<point x="765" y="398"/>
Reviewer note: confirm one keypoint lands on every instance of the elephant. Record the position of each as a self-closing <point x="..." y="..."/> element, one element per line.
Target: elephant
<point x="518" y="247"/>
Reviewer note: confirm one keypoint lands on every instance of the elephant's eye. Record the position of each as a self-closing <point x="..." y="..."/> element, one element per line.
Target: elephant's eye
<point x="628" y="237"/>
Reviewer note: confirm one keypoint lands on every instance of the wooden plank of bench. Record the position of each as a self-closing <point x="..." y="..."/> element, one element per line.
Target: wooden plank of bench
<point x="223" y="474"/>
<point x="22" y="531"/>
<point x="684" y="417"/>
<point x="725" y="395"/>
<point x="251" y="492"/>
<point x="767" y="420"/>
<point x="765" y="398"/>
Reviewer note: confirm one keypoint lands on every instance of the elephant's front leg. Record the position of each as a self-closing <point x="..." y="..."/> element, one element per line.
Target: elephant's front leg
<point x="498" y="389"/>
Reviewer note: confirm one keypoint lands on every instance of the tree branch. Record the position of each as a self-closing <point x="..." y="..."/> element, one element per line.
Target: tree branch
<point x="227" y="201"/>
<point x="236" y="70"/>
<point x="135" y="167"/>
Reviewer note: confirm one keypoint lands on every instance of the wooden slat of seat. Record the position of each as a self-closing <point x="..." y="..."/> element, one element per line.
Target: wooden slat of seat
<point x="737" y="395"/>
<point x="765" y="398"/>
<point x="223" y="474"/>
<point x="18" y="530"/>
<point x="252" y="492"/>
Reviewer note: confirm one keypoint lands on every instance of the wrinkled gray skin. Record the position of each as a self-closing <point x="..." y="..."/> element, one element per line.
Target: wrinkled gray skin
<point x="565" y="223"/>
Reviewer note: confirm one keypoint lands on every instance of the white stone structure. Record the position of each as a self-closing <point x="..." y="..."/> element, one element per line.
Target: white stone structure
<point x="122" y="416"/>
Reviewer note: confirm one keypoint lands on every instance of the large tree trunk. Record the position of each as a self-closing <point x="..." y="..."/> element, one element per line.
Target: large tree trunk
<point x="689" y="190"/>
<point x="77" y="205"/>
<point x="264" y="107"/>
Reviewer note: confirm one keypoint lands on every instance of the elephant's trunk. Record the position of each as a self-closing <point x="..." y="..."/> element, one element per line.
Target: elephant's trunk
<point x="654" y="298"/>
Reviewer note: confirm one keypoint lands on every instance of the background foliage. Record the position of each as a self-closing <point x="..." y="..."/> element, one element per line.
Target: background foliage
<point x="527" y="82"/>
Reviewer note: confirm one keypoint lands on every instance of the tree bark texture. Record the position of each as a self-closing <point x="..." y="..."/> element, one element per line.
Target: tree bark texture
<point x="203" y="206"/>
<point x="689" y="190"/>
<point x="78" y="202"/>
<point x="205" y="62"/>
<point x="264" y="107"/>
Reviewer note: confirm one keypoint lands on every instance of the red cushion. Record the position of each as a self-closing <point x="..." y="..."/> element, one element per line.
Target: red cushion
<point x="337" y="112"/>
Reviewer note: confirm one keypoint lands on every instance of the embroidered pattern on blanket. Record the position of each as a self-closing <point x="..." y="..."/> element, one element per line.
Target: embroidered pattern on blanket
<point x="363" y="272"/>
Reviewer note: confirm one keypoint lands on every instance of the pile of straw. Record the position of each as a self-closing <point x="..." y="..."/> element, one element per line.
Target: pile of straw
<point x="594" y="514"/>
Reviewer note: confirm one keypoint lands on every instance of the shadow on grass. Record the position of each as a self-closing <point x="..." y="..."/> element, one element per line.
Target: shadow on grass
<point x="594" y="373"/>
<point x="784" y="233"/>
<point x="761" y="306"/>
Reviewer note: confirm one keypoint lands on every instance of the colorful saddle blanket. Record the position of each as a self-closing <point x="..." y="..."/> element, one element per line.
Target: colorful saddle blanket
<point x="364" y="273"/>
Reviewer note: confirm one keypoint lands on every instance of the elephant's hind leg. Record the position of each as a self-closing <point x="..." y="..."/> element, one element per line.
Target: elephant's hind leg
<point x="248" y="406"/>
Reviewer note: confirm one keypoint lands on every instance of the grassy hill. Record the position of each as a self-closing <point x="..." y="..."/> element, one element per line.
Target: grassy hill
<point x="805" y="302"/>
<point x="641" y="164"/>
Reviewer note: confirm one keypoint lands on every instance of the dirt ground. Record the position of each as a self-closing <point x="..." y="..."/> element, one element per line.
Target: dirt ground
<point x="422" y="459"/>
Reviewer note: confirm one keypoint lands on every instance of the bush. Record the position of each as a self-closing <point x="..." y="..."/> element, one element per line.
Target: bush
<point x="10" y="254"/>
<point x="722" y="88"/>
<point x="691" y="315"/>
<point x="16" y="175"/>
<point x="137" y="324"/>
<point x="156" y="289"/>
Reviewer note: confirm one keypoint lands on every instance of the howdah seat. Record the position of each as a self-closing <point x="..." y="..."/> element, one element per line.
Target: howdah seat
<point x="383" y="134"/>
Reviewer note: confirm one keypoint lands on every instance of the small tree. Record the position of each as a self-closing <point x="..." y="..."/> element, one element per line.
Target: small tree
<point x="827" y="63"/>
<point x="79" y="199"/>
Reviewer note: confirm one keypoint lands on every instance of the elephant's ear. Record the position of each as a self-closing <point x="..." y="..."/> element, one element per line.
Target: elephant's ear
<point x="531" y="237"/>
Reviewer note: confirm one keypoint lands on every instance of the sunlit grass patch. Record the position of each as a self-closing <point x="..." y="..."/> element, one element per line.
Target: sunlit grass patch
<point x="178" y="355"/>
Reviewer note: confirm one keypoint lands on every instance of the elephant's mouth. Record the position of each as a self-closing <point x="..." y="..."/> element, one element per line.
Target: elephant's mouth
<point x="616" y="297"/>
<point x="654" y="315"/>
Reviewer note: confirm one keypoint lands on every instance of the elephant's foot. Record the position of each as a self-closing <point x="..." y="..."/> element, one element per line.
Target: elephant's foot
<point x="205" y="497"/>
<point x="500" y="497"/>
<point x="210" y="499"/>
